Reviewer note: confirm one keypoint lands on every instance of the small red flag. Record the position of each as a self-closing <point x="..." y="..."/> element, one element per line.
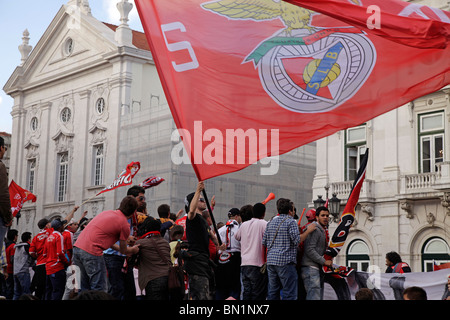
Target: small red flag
<point x="151" y="182"/>
<point x="125" y="178"/>
<point x="18" y="197"/>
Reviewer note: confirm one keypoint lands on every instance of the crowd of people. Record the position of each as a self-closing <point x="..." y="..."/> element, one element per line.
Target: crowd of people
<point x="127" y="254"/>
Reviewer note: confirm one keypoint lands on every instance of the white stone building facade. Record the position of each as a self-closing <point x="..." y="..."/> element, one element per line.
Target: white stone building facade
<point x="404" y="205"/>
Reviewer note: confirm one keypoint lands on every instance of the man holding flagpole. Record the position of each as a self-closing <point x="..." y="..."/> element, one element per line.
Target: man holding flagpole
<point x="313" y="260"/>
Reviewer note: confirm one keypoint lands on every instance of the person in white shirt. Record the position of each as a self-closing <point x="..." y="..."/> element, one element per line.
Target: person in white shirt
<point x="253" y="254"/>
<point x="228" y="283"/>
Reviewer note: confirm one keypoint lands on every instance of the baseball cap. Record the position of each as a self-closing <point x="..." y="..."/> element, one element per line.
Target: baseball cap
<point x="234" y="212"/>
<point x="56" y="224"/>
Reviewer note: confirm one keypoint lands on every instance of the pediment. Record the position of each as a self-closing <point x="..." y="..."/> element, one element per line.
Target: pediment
<point x="66" y="47"/>
<point x="62" y="135"/>
<point x="98" y="134"/>
<point x="32" y="149"/>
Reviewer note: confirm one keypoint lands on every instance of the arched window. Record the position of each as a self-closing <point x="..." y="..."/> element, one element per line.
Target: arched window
<point x="434" y="251"/>
<point x="358" y="255"/>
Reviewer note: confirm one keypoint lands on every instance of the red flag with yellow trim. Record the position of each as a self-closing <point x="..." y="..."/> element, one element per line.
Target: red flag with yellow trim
<point x="347" y="218"/>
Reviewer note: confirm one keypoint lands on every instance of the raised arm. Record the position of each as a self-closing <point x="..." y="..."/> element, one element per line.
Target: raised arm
<point x="194" y="201"/>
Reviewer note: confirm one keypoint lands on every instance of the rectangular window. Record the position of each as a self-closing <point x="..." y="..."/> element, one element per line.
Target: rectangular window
<point x="431" y="141"/>
<point x="355" y="147"/>
<point x="63" y="174"/>
<point x="239" y="194"/>
<point x="99" y="160"/>
<point x="31" y="175"/>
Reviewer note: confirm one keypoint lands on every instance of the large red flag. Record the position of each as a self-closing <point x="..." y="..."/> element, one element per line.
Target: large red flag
<point x="125" y="178"/>
<point x="408" y="23"/>
<point x="247" y="79"/>
<point x="18" y="197"/>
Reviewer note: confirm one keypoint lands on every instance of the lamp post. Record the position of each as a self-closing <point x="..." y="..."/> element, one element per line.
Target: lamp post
<point x="334" y="207"/>
<point x="319" y="202"/>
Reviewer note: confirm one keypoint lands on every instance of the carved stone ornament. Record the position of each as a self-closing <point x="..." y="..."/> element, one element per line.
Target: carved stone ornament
<point x="98" y="135"/>
<point x="431" y="218"/>
<point x="407" y="206"/>
<point x="445" y="202"/>
<point x="32" y="150"/>
<point x="368" y="209"/>
<point x="63" y="142"/>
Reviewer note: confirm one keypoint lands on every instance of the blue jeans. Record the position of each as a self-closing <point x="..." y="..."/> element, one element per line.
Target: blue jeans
<point x="3" y="231"/>
<point x="22" y="283"/>
<point x="157" y="289"/>
<point x="116" y="278"/>
<point x="56" y="284"/>
<point x="254" y="283"/>
<point x="92" y="269"/>
<point x="282" y="278"/>
<point x="313" y="281"/>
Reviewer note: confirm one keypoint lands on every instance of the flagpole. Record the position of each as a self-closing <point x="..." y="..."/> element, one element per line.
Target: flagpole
<point x="89" y="199"/>
<point x="212" y="216"/>
<point x="301" y="216"/>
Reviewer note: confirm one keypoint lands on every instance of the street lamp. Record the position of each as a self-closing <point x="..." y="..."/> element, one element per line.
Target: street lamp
<point x="319" y="202"/>
<point x="334" y="207"/>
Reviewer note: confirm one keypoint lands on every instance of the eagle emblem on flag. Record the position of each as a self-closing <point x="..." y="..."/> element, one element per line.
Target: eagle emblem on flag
<point x="303" y="68"/>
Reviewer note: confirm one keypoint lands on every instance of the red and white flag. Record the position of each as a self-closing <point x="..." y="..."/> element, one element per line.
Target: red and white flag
<point x="18" y="197"/>
<point x="151" y="182"/>
<point x="249" y="79"/>
<point x="125" y="178"/>
<point x="411" y="24"/>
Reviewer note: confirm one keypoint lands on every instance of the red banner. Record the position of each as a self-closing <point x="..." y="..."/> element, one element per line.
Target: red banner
<point x="125" y="178"/>
<point x="411" y="24"/>
<point x="151" y="182"/>
<point x="18" y="197"/>
<point x="246" y="80"/>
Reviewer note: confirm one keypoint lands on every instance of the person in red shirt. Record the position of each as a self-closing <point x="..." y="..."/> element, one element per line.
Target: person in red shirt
<point x="56" y="262"/>
<point x="37" y="251"/>
<point x="102" y="233"/>
<point x="11" y="239"/>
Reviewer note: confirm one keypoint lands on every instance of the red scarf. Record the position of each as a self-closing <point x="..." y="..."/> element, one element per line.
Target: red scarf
<point x="150" y="234"/>
<point x="327" y="236"/>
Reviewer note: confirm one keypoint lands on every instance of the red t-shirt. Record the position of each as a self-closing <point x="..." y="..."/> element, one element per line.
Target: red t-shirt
<point x="9" y="253"/>
<point x="38" y="243"/>
<point x="103" y="231"/>
<point x="68" y="243"/>
<point x="55" y="253"/>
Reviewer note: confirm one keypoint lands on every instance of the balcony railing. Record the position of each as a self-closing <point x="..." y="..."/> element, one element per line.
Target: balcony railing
<point x="342" y="189"/>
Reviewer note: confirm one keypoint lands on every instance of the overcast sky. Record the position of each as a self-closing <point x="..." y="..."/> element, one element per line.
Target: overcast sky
<point x="34" y="15"/>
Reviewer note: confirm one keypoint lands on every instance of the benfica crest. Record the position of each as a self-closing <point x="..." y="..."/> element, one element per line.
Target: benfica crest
<point x="304" y="68"/>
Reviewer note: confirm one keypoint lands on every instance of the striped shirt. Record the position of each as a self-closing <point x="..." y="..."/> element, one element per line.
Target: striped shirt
<point x="283" y="250"/>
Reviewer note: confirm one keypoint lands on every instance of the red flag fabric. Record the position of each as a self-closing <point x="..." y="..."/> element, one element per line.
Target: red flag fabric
<point x="441" y="266"/>
<point x="246" y="80"/>
<point x="125" y="178"/>
<point x="18" y="197"/>
<point x="151" y="182"/>
<point x="347" y="218"/>
<point x="411" y="24"/>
